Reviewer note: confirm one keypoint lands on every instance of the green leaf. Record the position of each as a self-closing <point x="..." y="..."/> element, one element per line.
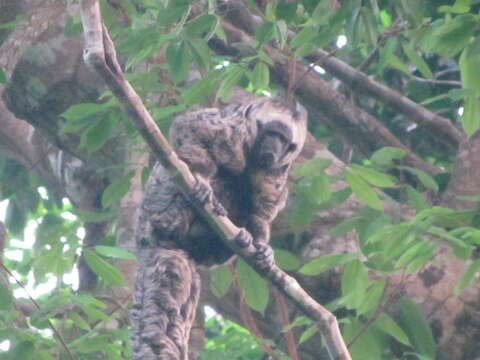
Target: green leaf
<point x="324" y="263"/>
<point x="201" y="26"/>
<point x="385" y="156"/>
<point x="178" y="61"/>
<point x="355" y="282"/>
<point x="98" y="134"/>
<point x="416" y="200"/>
<point x="166" y="111"/>
<point x="386" y="53"/>
<point x="371" y="298"/>
<point x="370" y="25"/>
<point x="322" y="13"/>
<point x="414" y="250"/>
<point x="363" y="191"/>
<point x="470" y="116"/>
<point x="15" y="218"/>
<point x="460" y="94"/>
<point x="394" y="61"/>
<point x="451" y="37"/>
<point x="265" y="32"/>
<point x="336" y="199"/>
<point x="303" y="212"/>
<point x="307" y="334"/>
<point x="304" y="36"/>
<point x="469" y="64"/>
<point x="390" y="327"/>
<point x="320" y="189"/>
<point x="312" y="167"/>
<point x="467" y="277"/>
<point x="369" y="346"/>
<point x="253" y="285"/>
<point x="346" y="226"/>
<point x="93" y="216"/>
<point x="455" y="9"/>
<point x="373" y="177"/>
<point x="386" y="18"/>
<point x="460" y="248"/>
<point x="78" y="321"/>
<point x="116" y="190"/>
<point x="424" y="178"/>
<point x="197" y="92"/>
<point x="220" y="280"/>
<point x="417" y="60"/>
<point x="6" y="298"/>
<point x="3" y="77"/>
<point x="286" y="260"/>
<point x="114" y="252"/>
<point x="24" y="350"/>
<point x="82" y="111"/>
<point x="234" y="74"/>
<point x="201" y="53"/>
<point x="106" y="271"/>
<point x="286" y="11"/>
<point x="260" y="75"/>
<point x="416" y="326"/>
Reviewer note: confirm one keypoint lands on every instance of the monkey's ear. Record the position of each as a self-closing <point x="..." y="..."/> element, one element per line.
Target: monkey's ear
<point x="299" y="112"/>
<point x="248" y="109"/>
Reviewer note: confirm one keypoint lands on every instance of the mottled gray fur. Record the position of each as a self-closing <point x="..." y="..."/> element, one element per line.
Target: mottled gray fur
<point x="219" y="147"/>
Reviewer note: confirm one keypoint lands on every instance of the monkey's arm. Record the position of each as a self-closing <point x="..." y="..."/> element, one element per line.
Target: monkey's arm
<point x="269" y="196"/>
<point x="206" y="141"/>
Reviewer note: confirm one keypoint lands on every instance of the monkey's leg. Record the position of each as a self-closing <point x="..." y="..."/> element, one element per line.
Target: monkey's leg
<point x="260" y="229"/>
<point x="165" y="301"/>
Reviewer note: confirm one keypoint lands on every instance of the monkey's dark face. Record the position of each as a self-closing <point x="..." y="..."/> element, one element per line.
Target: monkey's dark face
<point x="274" y="141"/>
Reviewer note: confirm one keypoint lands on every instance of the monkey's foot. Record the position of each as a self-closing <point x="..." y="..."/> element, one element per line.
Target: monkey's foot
<point x="202" y="194"/>
<point x="264" y="255"/>
<point x="243" y="238"/>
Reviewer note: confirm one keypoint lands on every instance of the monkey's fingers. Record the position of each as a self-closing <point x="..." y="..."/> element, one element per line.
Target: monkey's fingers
<point x="218" y="208"/>
<point x="264" y="255"/>
<point x="243" y="238"/>
<point x="201" y="193"/>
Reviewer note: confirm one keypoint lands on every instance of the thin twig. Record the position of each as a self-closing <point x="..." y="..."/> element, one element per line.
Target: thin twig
<point x="37" y="305"/>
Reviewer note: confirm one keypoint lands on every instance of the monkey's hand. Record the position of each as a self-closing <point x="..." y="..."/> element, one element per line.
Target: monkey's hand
<point x="264" y="256"/>
<point x="243" y="238"/>
<point x="202" y="194"/>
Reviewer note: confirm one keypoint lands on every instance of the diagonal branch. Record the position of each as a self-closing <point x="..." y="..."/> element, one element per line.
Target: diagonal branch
<point x="360" y="82"/>
<point x="313" y="89"/>
<point x="238" y="14"/>
<point x="100" y="55"/>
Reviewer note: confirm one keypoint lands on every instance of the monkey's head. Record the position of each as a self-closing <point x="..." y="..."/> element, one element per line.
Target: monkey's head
<point x="279" y="132"/>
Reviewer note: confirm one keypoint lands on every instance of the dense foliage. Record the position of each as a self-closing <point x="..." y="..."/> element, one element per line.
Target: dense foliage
<point x="428" y="51"/>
